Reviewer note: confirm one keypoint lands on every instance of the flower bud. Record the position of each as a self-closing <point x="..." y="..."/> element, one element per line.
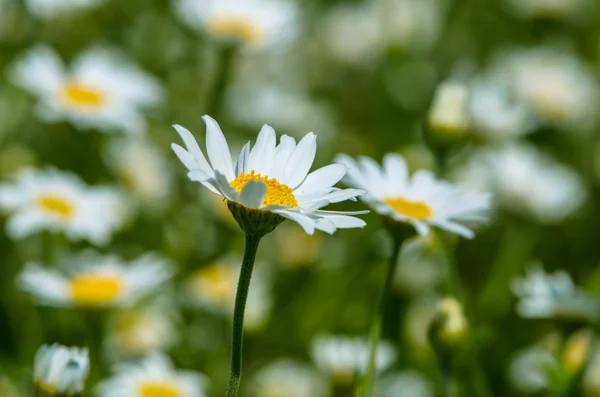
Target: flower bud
<point x="60" y="371"/>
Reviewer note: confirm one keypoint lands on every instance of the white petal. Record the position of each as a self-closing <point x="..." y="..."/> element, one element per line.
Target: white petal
<point x="325" y="225"/>
<point x="396" y="171"/>
<point x="343" y="195"/>
<point x="186" y="158"/>
<point x="224" y="187"/>
<point x="253" y="194"/>
<point x="242" y="163"/>
<point x="456" y="228"/>
<point x="345" y="221"/>
<point x="263" y="152"/>
<point x="286" y="147"/>
<point x="209" y="183"/>
<point x="192" y="146"/>
<point x="217" y="148"/>
<point x="307" y="224"/>
<point x="301" y="161"/>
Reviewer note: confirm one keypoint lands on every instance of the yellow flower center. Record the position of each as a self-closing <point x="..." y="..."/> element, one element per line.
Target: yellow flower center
<point x="217" y="282"/>
<point x="234" y="26"/>
<point x="50" y="390"/>
<point x="95" y="289"/>
<point x="56" y="205"/>
<point x="83" y="96"/>
<point x="159" y="389"/>
<point x="277" y="193"/>
<point x="411" y="209"/>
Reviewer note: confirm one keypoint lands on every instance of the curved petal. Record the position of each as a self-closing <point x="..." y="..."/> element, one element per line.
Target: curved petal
<point x="253" y="194"/>
<point x="300" y="161"/>
<point x="242" y="163"/>
<point x="307" y="224"/>
<point x="263" y="151"/>
<point x="218" y="149"/>
<point x="192" y="146"/>
<point x="321" y="179"/>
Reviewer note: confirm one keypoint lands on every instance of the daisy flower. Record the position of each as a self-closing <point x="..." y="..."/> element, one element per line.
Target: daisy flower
<point x="449" y="114"/>
<point x="408" y="383"/>
<point x="269" y="182"/>
<point x="101" y="90"/>
<point x="47" y="9"/>
<point x="532" y="369"/>
<point x="344" y="357"/>
<point x="60" y="370"/>
<point x="91" y="280"/>
<point x="61" y="202"/>
<point x="559" y="9"/>
<point x="256" y="23"/>
<point x="152" y="377"/>
<point x="288" y="378"/>
<point x="420" y="199"/>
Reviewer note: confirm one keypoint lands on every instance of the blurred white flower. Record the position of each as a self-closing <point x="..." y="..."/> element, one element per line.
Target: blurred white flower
<point x="58" y="201"/>
<point x="407" y="383"/>
<point x="420" y="200"/>
<point x="213" y="287"/>
<point x="256" y="23"/>
<point x="555" y="85"/>
<point x="526" y="180"/>
<point x="101" y="90"/>
<point x="47" y="9"/>
<point x="449" y="113"/>
<point x="153" y="376"/>
<point x="420" y="265"/>
<point x="141" y="168"/>
<point x="531" y="370"/>
<point x="270" y="179"/>
<point x="288" y="378"/>
<point x="343" y="357"/>
<point x="92" y="280"/>
<point x="495" y="114"/>
<point x="60" y="370"/>
<point x="543" y="295"/>
<point x="138" y="332"/>
<point x="551" y="8"/>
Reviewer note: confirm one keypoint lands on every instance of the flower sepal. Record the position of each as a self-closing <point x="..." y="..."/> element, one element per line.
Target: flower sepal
<point x="254" y="221"/>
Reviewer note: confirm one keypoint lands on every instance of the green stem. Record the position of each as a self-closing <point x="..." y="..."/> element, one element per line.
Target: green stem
<point x="250" y="250"/>
<point x="377" y="324"/>
<point x="227" y="57"/>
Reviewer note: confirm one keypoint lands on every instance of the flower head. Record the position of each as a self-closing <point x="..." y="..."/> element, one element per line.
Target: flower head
<point x="154" y="376"/>
<point x="420" y="200"/>
<point x="256" y="23"/>
<point x="91" y="281"/>
<point x="269" y="182"/>
<point x="47" y="9"/>
<point x="60" y="370"/>
<point x="533" y="369"/>
<point x="288" y="378"/>
<point x="59" y="201"/>
<point x="100" y="90"/>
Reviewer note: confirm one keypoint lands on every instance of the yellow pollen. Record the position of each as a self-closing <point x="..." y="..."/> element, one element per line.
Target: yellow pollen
<point x="277" y="193"/>
<point x="82" y="96"/>
<point x="217" y="281"/>
<point x="233" y="26"/>
<point x="411" y="209"/>
<point x="56" y="205"/>
<point x="50" y="390"/>
<point x="95" y="289"/>
<point x="159" y="389"/>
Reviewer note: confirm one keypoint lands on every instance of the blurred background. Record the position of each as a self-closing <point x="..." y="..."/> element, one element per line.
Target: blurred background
<point x="498" y="95"/>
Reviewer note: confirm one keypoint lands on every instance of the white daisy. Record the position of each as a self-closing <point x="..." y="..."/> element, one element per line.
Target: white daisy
<point x="256" y="23"/>
<point x="100" y="90"/>
<point x="91" y="280"/>
<point x="420" y="265"/>
<point x="420" y="200"/>
<point x="343" y="357"/>
<point x="408" y="383"/>
<point x="270" y="179"/>
<point x="60" y="370"/>
<point x="543" y="295"/>
<point x="154" y="376"/>
<point x="141" y="168"/>
<point x="449" y="111"/>
<point x="552" y="8"/>
<point x="214" y="288"/>
<point x="47" y="9"/>
<point x="526" y="180"/>
<point x="532" y="370"/>
<point x="288" y="378"/>
<point x="57" y="201"/>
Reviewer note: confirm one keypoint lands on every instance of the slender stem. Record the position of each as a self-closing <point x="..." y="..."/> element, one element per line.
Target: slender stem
<point x="377" y="324"/>
<point x="250" y="249"/>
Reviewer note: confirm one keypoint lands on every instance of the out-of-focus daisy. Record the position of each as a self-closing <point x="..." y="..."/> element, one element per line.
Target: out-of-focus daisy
<point x="288" y="378"/>
<point x="91" y="280"/>
<point x="141" y="168"/>
<point x="256" y="23"/>
<point x="343" y="358"/>
<point x="531" y="370"/>
<point x="214" y="287"/>
<point x="556" y="85"/>
<point x="420" y="265"/>
<point x="543" y="295"/>
<point x="154" y="376"/>
<point x="60" y="370"/>
<point x="407" y="383"/>
<point x="138" y="332"/>
<point x="270" y="181"/>
<point x="46" y="9"/>
<point x="418" y="319"/>
<point x="551" y="8"/>
<point x="495" y="114"/>
<point x="58" y="201"/>
<point x="421" y="200"/>
<point x="449" y="111"/>
<point x="526" y="180"/>
<point x="101" y="90"/>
